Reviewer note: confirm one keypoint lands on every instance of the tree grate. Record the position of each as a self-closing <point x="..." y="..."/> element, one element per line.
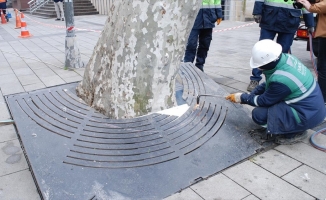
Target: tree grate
<point x="77" y="153"/>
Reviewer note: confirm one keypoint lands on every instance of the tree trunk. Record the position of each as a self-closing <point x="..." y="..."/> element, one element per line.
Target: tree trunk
<point x="135" y="61"/>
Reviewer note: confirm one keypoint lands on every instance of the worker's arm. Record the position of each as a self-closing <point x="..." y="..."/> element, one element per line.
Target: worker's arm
<point x="258" y="7"/>
<point x="309" y="20"/>
<point x="258" y="10"/>
<point x="275" y="93"/>
<point x="218" y="11"/>
<point x="260" y="89"/>
<point x="319" y="8"/>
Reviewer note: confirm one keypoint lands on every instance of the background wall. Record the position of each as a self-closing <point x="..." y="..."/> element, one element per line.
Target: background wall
<point x="235" y="10"/>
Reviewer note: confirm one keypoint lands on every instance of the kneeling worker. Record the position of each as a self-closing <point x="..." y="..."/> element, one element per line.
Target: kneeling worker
<point x="290" y="101"/>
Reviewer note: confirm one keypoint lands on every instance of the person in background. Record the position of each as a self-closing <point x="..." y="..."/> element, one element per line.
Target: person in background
<point x="320" y="8"/>
<point x="201" y="34"/>
<point x="281" y="18"/>
<point x="3" y="6"/>
<point x="289" y="102"/>
<point x="58" y="6"/>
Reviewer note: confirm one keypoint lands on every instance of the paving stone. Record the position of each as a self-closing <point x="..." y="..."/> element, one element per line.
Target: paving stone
<point x="240" y="85"/>
<point x="12" y="158"/>
<point x="18" y="65"/>
<point x="4" y="63"/>
<point x="8" y="78"/>
<point x="186" y="194"/>
<point x="306" y="154"/>
<point x="29" y="79"/>
<point x="66" y="73"/>
<point x="15" y="59"/>
<point x="73" y="79"/>
<point x="6" y="70"/>
<point x="264" y="184"/>
<point x="23" y="71"/>
<point x="276" y="162"/>
<point x="52" y="80"/>
<point x="44" y="72"/>
<point x="309" y="180"/>
<point x="4" y="113"/>
<point x="27" y="55"/>
<point x="18" y="186"/>
<point x="11" y="88"/>
<point x="250" y="197"/>
<point x="7" y="133"/>
<point x="219" y="187"/>
<point x="35" y="65"/>
<point x="34" y="86"/>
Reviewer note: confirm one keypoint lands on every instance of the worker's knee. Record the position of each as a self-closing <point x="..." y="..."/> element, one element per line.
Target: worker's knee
<point x="259" y="115"/>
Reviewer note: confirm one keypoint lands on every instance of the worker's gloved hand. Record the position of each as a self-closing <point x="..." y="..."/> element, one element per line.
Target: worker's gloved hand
<point x="257" y="18"/>
<point x="311" y="30"/>
<point x="218" y="21"/>
<point x="235" y="98"/>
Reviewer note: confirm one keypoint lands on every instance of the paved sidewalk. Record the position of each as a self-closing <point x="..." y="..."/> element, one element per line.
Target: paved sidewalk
<point x="284" y="172"/>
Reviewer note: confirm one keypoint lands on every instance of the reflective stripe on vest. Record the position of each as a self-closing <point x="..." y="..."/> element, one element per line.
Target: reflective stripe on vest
<point x="280" y="4"/>
<point x="303" y="95"/>
<point x="255" y="100"/>
<point x="293" y="78"/>
<point x="211" y="4"/>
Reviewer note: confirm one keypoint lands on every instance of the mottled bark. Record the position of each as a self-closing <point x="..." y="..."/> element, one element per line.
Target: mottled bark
<point x="134" y="64"/>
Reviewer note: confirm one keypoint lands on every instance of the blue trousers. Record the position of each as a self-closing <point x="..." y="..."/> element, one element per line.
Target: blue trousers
<point x="198" y="45"/>
<point x="284" y="39"/>
<point x="259" y="116"/>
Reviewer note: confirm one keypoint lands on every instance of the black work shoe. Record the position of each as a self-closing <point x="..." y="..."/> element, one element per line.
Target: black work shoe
<point x="57" y="19"/>
<point x="286" y="140"/>
<point x="252" y="85"/>
<point x="261" y="136"/>
<point x="258" y="131"/>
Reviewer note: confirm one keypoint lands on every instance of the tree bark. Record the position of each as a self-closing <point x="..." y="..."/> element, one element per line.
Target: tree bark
<point x="135" y="61"/>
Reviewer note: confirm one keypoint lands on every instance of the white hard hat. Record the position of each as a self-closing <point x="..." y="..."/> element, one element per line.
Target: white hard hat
<point x="264" y="52"/>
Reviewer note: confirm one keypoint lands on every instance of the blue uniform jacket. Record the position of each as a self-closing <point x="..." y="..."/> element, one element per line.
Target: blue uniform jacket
<point x="281" y="19"/>
<point x="206" y="18"/>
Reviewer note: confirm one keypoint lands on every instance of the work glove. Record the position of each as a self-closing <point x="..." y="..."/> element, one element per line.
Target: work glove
<point x="311" y="30"/>
<point x="218" y="21"/>
<point x="235" y="98"/>
<point x="257" y="18"/>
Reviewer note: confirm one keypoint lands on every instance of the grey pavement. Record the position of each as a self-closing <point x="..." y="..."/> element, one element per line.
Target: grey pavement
<point x="281" y="172"/>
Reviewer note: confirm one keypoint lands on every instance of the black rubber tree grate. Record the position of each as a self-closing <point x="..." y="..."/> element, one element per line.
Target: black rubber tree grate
<point x="77" y="153"/>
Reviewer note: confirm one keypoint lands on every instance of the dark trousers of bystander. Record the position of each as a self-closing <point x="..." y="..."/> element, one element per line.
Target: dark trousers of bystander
<point x="198" y="45"/>
<point x="3" y="6"/>
<point x="321" y="65"/>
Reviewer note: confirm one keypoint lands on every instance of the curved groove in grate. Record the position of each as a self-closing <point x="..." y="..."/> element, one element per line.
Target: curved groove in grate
<point x="48" y="107"/>
<point x="192" y="81"/>
<point x="172" y="139"/>
<point x="41" y="122"/>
